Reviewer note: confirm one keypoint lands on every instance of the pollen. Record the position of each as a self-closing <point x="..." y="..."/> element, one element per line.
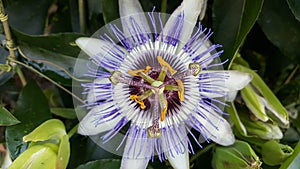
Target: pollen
<point x="136" y="99"/>
<point x="181" y="90"/>
<point x="164" y="112"/>
<point x="136" y="72"/>
<point x="162" y="63"/>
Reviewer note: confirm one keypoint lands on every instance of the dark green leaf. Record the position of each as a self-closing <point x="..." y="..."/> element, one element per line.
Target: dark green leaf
<point x="31" y="109"/>
<point x="103" y="164"/>
<point x="232" y="22"/>
<point x="110" y="10"/>
<point x="28" y="16"/>
<point x="281" y="28"/>
<point x="53" y="55"/>
<point x="64" y="112"/>
<point x="295" y="7"/>
<point x="7" y="119"/>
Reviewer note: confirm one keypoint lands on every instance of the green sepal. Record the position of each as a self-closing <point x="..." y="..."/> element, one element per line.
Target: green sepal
<point x="274" y="153"/>
<point x="280" y="114"/>
<point x="238" y="156"/>
<point x="253" y="103"/>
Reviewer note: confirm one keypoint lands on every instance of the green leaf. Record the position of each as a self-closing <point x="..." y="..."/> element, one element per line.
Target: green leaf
<point x="7" y="119"/>
<point x="281" y="28"/>
<point x="64" y="112"/>
<point x="294" y="161"/>
<point x="104" y="163"/>
<point x="53" y="55"/>
<point x="236" y="119"/>
<point x="28" y="16"/>
<point x="31" y="109"/>
<point x="295" y="7"/>
<point x="232" y="22"/>
<point x="36" y="157"/>
<point x="50" y="129"/>
<point x="110" y="10"/>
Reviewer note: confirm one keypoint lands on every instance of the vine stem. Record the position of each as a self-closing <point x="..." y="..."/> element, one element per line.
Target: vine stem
<point x="164" y="6"/>
<point x="49" y="79"/>
<point x="10" y="45"/>
<point x="82" y="22"/>
<point x="291" y="75"/>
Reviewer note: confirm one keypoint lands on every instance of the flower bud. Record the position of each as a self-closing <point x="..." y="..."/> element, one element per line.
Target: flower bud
<point x="274" y="153"/>
<point x="238" y="156"/>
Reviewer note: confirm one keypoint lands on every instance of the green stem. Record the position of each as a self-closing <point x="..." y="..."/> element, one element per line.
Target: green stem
<point x="291" y="75"/>
<point x="82" y="21"/>
<point x="49" y="79"/>
<point x="73" y="131"/>
<point x="164" y="6"/>
<point x="204" y="150"/>
<point x="21" y="75"/>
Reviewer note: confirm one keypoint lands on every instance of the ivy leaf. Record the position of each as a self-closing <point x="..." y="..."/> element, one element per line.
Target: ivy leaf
<point x="31" y="109"/>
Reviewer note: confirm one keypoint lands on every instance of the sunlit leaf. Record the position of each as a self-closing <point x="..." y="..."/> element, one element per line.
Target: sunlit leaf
<point x="31" y="109"/>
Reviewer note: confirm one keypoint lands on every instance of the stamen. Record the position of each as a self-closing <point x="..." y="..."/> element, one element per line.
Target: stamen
<point x="181" y="90"/>
<point x="172" y="87"/>
<point x="136" y="99"/>
<point x="195" y="68"/>
<point x="136" y="72"/>
<point x="146" y="77"/>
<point x="115" y="77"/>
<point x="163" y="63"/>
<point x="162" y="74"/>
<point x="145" y="95"/>
<point x="164" y="112"/>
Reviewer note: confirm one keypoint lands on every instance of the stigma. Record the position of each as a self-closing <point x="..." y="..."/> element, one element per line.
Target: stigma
<point x="156" y="90"/>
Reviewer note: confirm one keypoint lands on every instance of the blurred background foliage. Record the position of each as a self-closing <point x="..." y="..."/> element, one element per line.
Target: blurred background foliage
<point x="33" y="83"/>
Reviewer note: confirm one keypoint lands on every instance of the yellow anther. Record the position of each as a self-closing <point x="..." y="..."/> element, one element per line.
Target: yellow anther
<point x="162" y="63"/>
<point x="136" y="72"/>
<point x="136" y="99"/>
<point x="164" y="112"/>
<point x="181" y="90"/>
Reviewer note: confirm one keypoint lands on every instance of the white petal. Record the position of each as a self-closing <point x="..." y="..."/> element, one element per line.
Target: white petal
<point x="91" y="46"/>
<point x="134" y="9"/>
<point x="191" y="10"/>
<point x="179" y="161"/>
<point x="231" y="96"/>
<point x="87" y="125"/>
<point x="136" y="153"/>
<point x="227" y="82"/>
<point x="216" y="128"/>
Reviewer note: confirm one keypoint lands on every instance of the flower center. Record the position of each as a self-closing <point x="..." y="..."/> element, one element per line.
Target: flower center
<point x="156" y="90"/>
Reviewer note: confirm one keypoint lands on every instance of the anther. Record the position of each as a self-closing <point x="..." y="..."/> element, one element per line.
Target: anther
<point x="195" y="68"/>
